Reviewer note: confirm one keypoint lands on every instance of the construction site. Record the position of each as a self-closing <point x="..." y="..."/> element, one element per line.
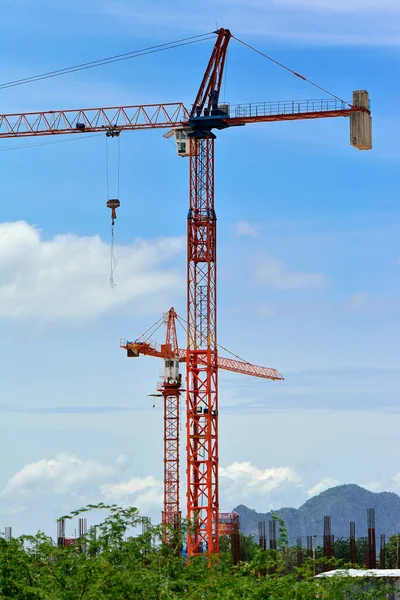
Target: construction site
<point x="192" y="358"/>
<point x="358" y="551"/>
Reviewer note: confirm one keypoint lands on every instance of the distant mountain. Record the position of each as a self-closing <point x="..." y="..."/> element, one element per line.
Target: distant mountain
<point x="343" y="503"/>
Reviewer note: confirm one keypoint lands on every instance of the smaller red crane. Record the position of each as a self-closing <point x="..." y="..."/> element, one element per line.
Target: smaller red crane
<point x="170" y="390"/>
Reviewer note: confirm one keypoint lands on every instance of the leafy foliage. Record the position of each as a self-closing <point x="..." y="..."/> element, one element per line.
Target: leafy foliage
<point x="392" y="552"/>
<point x="114" y="566"/>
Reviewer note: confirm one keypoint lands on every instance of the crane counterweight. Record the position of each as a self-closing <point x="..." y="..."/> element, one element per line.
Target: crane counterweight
<point x="361" y="122"/>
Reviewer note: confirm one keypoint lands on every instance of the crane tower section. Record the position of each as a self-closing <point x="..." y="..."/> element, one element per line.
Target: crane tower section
<point x="171" y="392"/>
<point x="202" y="377"/>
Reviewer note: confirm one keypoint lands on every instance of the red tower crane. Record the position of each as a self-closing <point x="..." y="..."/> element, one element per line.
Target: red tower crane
<point x="195" y="138"/>
<point x="170" y="390"/>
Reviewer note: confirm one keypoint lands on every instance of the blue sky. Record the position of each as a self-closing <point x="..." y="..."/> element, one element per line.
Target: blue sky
<point x="308" y="256"/>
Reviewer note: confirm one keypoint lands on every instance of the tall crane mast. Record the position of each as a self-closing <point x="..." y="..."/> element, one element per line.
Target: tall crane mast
<point x="202" y="378"/>
<point x="195" y="138"/>
<point x="170" y="390"/>
<point x="171" y="393"/>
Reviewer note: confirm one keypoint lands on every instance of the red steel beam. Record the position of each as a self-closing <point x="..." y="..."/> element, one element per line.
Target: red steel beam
<point x="171" y="516"/>
<point x="150" y="116"/>
<point x="202" y="377"/>
<point x="227" y="364"/>
<point x="92" y="120"/>
<point x="295" y="116"/>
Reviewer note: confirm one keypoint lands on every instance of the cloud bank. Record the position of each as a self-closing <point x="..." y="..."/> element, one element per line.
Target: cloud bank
<point x="67" y="276"/>
<point x="71" y="480"/>
<point x="277" y="274"/>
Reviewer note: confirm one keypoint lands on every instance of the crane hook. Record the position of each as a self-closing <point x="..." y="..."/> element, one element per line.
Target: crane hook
<point x="113" y="204"/>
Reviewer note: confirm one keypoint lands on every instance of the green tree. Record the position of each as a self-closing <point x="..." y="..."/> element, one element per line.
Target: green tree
<point x="114" y="566"/>
<point x="391" y="551"/>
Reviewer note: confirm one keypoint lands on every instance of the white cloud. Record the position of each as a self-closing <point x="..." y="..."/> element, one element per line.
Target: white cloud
<point x="275" y="273"/>
<point x="151" y="501"/>
<point x="372" y="486"/>
<point x="319" y="21"/>
<point x="78" y="480"/>
<point x="267" y="310"/>
<point x="345" y="5"/>
<point x="321" y="486"/>
<point x="122" y="460"/>
<point x="356" y="302"/>
<point x="67" y="276"/>
<point x="118" y="491"/>
<point x="59" y="475"/>
<point x="308" y="21"/>
<point x="146" y="493"/>
<point x="385" y="483"/>
<point x="243" y="481"/>
<point x="396" y="481"/>
<point x="244" y="228"/>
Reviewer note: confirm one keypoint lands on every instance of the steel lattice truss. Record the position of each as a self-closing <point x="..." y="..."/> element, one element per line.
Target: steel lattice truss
<point x="202" y="397"/>
<point x="91" y="120"/>
<point x="171" y="514"/>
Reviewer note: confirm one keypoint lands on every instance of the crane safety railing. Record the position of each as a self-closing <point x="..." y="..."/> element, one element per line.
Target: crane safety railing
<point x="112" y="120"/>
<point x="290" y="107"/>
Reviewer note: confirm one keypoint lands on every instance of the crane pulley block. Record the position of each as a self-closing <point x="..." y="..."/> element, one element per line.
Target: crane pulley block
<point x="113" y="204"/>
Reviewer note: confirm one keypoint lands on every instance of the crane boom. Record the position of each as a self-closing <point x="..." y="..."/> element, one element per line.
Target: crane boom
<point x="245" y="368"/>
<point x="150" y="348"/>
<point x="92" y="120"/>
<point x="163" y="116"/>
